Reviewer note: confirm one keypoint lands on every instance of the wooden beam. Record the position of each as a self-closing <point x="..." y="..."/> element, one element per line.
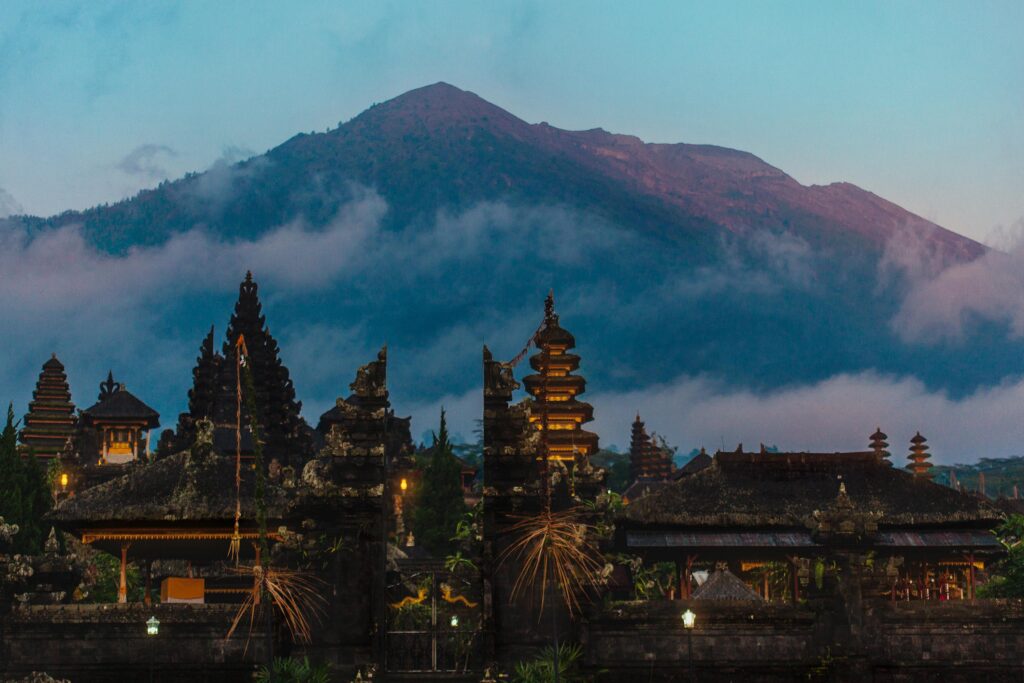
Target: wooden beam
<point x="122" y="589"/>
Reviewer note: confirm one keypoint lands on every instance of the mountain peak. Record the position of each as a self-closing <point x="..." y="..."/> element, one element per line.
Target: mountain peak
<point x="440" y="105"/>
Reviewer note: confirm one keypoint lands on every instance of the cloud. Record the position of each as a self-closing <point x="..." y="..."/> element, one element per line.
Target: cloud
<point x="144" y="162"/>
<point x="9" y="206"/>
<point x="837" y="414"/>
<point x="942" y="303"/>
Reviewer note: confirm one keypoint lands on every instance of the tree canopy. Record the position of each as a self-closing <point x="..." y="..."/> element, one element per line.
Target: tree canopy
<point x="439" y="502"/>
<point x="24" y="495"/>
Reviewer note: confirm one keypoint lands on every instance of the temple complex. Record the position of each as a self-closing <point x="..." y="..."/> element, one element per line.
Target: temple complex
<point x="794" y="566"/>
<point x="50" y="421"/>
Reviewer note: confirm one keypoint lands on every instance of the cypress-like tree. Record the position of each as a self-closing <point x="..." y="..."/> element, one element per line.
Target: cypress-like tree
<point x="439" y="502"/>
<point x="24" y="494"/>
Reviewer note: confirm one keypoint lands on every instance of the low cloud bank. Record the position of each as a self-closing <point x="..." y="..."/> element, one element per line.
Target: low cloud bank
<point x="837" y="414"/>
<point x="942" y="303"/>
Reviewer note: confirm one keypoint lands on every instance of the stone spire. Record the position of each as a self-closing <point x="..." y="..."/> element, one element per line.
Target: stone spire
<point x="202" y="397"/>
<point x="555" y="389"/>
<point x="50" y="421"/>
<point x="879" y="445"/>
<point x="285" y="433"/>
<point x="918" y="458"/>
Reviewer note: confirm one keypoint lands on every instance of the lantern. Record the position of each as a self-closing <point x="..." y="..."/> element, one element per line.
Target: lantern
<point x="689" y="619"/>
<point x="152" y="626"/>
<point x="403" y="485"/>
<point x="63" y="480"/>
<point x="455" y="621"/>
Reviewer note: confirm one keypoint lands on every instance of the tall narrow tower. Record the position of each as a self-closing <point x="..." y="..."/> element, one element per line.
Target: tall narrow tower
<point x="647" y="460"/>
<point x="556" y="410"/>
<point x="51" y="414"/>
<point x="919" y="457"/>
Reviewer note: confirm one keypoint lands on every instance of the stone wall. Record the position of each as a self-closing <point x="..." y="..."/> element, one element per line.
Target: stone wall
<point x="101" y="643"/>
<point x="736" y="641"/>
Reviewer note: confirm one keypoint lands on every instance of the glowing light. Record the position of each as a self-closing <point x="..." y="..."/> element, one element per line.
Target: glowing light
<point x="63" y="480"/>
<point x="403" y="485"/>
<point x="455" y="621"/>
<point x="689" y="619"/>
<point x="152" y="626"/>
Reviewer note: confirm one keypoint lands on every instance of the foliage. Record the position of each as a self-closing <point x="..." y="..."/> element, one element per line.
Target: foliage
<point x="542" y="669"/>
<point x="617" y="465"/>
<point x="1008" y="581"/>
<point x="439" y="502"/>
<point x="456" y="562"/>
<point x="287" y="670"/>
<point x="649" y="583"/>
<point x="778" y="577"/>
<point x="103" y="578"/>
<point x="24" y="495"/>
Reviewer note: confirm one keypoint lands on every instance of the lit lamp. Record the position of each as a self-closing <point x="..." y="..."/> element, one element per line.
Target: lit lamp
<point x="152" y="626"/>
<point x="455" y="621"/>
<point x="63" y="481"/>
<point x="403" y="485"/>
<point x="689" y="621"/>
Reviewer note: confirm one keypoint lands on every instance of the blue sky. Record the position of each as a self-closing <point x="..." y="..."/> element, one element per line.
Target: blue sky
<point x="920" y="102"/>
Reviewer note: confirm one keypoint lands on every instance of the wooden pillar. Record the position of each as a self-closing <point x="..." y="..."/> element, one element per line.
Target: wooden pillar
<point x="103" y="439"/>
<point x="794" y="572"/>
<point x="688" y="576"/>
<point x="679" y="580"/>
<point x="122" y="589"/>
<point x="147" y="598"/>
<point x="255" y="585"/>
<point x="970" y="576"/>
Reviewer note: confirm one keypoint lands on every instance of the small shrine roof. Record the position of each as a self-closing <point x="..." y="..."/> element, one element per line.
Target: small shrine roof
<point x="123" y="405"/>
<point x="784" y="489"/>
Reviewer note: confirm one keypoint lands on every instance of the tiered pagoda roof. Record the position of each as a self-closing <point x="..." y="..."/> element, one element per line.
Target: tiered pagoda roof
<point x="647" y="460"/>
<point x="556" y="410"/>
<point x="50" y="421"/>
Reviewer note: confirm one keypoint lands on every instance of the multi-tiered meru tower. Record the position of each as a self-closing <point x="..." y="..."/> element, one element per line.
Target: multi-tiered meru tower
<point x="555" y="410"/>
<point x="50" y="421"/>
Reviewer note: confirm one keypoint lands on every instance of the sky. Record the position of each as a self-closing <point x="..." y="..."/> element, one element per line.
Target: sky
<point x="919" y="102"/>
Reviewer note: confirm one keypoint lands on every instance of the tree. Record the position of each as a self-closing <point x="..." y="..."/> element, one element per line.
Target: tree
<point x="24" y="495"/>
<point x="439" y="502"/>
<point x="1008" y="581"/>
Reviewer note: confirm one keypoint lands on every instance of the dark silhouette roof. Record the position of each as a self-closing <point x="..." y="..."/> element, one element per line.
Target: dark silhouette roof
<point x="177" y="488"/>
<point x="696" y="464"/>
<point x="724" y="585"/>
<point x="785" y="489"/>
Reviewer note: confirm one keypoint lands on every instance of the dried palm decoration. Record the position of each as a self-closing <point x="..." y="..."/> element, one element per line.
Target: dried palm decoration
<point x="553" y="547"/>
<point x="298" y="597"/>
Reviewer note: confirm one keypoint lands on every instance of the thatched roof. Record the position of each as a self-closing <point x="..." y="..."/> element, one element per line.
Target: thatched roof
<point x="784" y="489"/>
<point x="174" y="489"/>
<point x="123" y="405"/>
<point x="724" y="585"/>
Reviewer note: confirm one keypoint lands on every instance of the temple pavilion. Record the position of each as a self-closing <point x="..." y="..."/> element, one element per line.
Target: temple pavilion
<point x="770" y="516"/>
<point x="116" y="429"/>
<point x="181" y="507"/>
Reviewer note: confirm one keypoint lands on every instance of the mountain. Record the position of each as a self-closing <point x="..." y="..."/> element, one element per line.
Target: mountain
<point x="667" y="260"/>
<point x="442" y="147"/>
